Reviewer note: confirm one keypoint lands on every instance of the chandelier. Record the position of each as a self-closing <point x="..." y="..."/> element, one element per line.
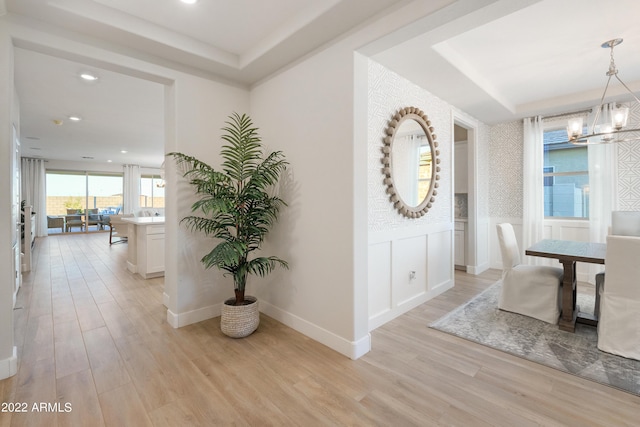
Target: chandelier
<point x="615" y="130"/>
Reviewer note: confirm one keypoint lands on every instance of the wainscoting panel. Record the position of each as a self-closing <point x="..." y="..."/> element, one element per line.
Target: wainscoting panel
<point x="408" y="268"/>
<point x="409" y="260"/>
<point x="379" y="278"/>
<point x="440" y="260"/>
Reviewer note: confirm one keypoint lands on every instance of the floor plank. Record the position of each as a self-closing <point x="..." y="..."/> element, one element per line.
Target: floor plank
<point x="91" y="334"/>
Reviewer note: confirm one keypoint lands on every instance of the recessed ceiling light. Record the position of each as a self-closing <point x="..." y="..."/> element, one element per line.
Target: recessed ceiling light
<point x="89" y="77"/>
<point x="124" y="151"/>
<point x="109" y="161"/>
<point x="75" y="118"/>
<point x="189" y="1"/>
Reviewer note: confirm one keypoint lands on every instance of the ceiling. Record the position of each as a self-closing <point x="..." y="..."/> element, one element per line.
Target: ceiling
<point x="514" y="59"/>
<point x="498" y="60"/>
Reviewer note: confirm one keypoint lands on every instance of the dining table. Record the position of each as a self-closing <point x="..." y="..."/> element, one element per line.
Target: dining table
<point x="569" y="253"/>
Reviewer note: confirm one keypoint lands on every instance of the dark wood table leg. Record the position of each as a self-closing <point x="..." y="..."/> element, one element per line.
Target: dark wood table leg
<point x="569" y="310"/>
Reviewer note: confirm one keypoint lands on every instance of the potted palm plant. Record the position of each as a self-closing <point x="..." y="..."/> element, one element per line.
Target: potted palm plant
<point x="237" y="210"/>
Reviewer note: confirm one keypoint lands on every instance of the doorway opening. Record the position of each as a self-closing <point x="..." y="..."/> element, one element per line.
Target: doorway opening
<point x="80" y="202"/>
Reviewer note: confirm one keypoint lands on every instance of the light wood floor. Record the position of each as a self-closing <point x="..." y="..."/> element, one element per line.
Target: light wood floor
<point x="91" y="335"/>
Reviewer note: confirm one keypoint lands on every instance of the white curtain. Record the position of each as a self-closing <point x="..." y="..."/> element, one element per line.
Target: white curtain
<point x="533" y="190"/>
<point x="603" y="191"/>
<point x="131" y="202"/>
<point x="33" y="175"/>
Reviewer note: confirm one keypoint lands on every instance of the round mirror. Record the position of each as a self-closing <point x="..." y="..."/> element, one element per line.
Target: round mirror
<point x="411" y="163"/>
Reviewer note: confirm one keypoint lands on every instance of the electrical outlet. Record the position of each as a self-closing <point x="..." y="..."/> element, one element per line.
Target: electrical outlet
<point x="412" y="275"/>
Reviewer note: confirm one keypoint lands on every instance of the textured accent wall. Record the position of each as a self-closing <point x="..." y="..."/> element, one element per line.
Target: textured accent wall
<point x="388" y="92"/>
<point x="629" y="169"/>
<point x="485" y="166"/>
<point x="505" y="170"/>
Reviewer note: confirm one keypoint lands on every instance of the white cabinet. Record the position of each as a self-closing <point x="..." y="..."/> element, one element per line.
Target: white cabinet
<point x="29" y="238"/>
<point x="461" y="175"/>
<point x="146" y="246"/>
<point x="459" y="244"/>
<point x="154" y="262"/>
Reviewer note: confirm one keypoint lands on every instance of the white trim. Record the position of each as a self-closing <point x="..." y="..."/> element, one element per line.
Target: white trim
<point x="351" y="349"/>
<point x="165" y="299"/>
<point x="376" y="237"/>
<point x="474" y="251"/>
<point x="132" y="267"/>
<point x="477" y="269"/>
<point x="9" y="366"/>
<point x="361" y="347"/>
<point x="178" y="320"/>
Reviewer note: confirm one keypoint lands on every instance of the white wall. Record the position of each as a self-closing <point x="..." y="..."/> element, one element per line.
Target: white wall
<point x="316" y="111"/>
<point x="201" y="108"/>
<point x="308" y="112"/>
<point x="8" y="116"/>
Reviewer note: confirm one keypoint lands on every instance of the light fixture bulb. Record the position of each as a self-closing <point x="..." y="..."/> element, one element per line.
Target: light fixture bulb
<point x="124" y="151"/>
<point x="75" y="118"/>
<point x="88" y="77"/>
<point x="189" y="1"/>
<point x="619" y="117"/>
<point x="574" y="127"/>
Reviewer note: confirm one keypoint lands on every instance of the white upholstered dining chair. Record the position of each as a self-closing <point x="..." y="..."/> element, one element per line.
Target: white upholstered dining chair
<point x="619" y="321"/>
<point x="533" y="291"/>
<point x="623" y="223"/>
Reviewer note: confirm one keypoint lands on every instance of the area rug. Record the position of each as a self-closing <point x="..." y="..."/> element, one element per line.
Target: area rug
<point x="482" y="322"/>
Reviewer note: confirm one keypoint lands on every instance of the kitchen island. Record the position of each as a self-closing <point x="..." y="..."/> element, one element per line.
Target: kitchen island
<point x="145" y="254"/>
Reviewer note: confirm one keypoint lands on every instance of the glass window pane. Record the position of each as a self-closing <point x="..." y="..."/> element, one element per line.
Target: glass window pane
<point x="78" y="201"/>
<point x="146" y="192"/>
<point x="566" y="177"/>
<point x="151" y="191"/>
<point x="568" y="197"/>
<point x="65" y="190"/>
<point x="106" y="193"/>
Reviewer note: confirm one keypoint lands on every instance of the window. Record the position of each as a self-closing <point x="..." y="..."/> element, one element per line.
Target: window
<point x="151" y="191"/>
<point x="76" y="201"/>
<point x="566" y="176"/>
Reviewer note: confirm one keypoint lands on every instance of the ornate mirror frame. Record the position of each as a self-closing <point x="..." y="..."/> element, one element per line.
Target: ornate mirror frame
<point x="404" y="114"/>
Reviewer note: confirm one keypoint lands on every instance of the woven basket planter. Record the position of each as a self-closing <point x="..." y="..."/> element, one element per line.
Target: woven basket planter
<point x="239" y="321"/>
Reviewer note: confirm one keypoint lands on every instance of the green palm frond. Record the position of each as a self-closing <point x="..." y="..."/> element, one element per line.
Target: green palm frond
<point x="235" y="203"/>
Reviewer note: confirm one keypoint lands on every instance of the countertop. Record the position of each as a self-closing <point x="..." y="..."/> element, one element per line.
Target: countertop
<point x="145" y="220"/>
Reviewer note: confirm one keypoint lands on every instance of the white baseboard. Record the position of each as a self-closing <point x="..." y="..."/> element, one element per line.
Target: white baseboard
<point x="9" y="366"/>
<point x="351" y="349"/>
<point x="165" y="299"/>
<point x="178" y="320"/>
<point x="132" y="267"/>
<point x="477" y="269"/>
